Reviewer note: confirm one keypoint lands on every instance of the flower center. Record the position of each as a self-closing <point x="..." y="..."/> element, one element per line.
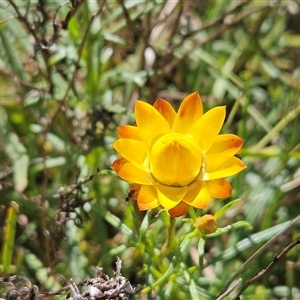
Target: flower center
<point x="175" y="160"/>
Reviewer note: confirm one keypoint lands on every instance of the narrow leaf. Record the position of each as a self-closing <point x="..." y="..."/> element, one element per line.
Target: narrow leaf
<point x="9" y="236"/>
<point x="223" y="210"/>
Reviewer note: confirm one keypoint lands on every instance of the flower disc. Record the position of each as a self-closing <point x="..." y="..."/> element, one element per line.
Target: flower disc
<point x="175" y="160"/>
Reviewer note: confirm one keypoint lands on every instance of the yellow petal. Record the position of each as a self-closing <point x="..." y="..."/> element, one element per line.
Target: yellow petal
<point x="129" y="172"/>
<point x="228" y="144"/>
<point x="147" y="198"/>
<point x="175" y="159"/>
<point x="169" y="196"/>
<point x="189" y="112"/>
<point x="166" y="110"/>
<point x="136" y="152"/>
<point x="150" y="122"/>
<point x="179" y="210"/>
<point x="213" y="160"/>
<point x="129" y="132"/>
<point x="231" y="166"/>
<point x="219" y="188"/>
<point x="202" y="199"/>
<point x="193" y="191"/>
<point x="206" y="130"/>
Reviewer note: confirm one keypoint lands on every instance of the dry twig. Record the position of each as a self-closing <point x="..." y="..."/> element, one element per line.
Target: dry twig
<point x="263" y="272"/>
<point x="100" y="287"/>
<point x="259" y="252"/>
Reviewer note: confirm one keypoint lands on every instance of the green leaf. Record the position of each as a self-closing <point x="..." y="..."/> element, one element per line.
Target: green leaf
<point x="223" y="210"/>
<point x="74" y="28"/>
<point x="57" y="142"/>
<point x="143" y="229"/>
<point x="114" y="39"/>
<point x="49" y="163"/>
<point x="16" y="152"/>
<point x="253" y="240"/>
<point x="201" y="251"/>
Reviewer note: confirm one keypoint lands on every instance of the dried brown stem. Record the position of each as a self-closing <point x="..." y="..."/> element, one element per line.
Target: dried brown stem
<point x="221" y="18"/>
<point x="78" y="185"/>
<point x="38" y="41"/>
<point x="230" y="290"/>
<point x="62" y="102"/>
<point x="75" y="5"/>
<point x="59" y="109"/>
<point x="24" y="20"/>
<point x="20" y="81"/>
<point x="130" y="23"/>
<point x="9" y="18"/>
<point x="227" y="23"/>
<point x="259" y="252"/>
<point x="263" y="272"/>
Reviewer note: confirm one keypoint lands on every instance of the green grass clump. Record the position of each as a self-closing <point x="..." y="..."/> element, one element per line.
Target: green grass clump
<point x="69" y="75"/>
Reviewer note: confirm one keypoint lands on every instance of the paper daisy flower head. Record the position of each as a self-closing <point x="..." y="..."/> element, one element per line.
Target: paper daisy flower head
<point x="177" y="160"/>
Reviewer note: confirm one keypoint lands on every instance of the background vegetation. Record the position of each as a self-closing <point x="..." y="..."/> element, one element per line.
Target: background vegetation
<point x="69" y="75"/>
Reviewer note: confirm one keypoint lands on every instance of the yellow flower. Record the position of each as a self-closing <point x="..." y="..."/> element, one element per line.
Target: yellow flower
<point x="177" y="160"/>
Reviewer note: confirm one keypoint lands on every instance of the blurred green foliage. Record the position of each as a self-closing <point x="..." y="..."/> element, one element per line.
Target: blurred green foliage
<point x="69" y="75"/>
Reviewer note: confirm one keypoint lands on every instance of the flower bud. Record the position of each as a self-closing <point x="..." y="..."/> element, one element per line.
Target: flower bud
<point x="207" y="224"/>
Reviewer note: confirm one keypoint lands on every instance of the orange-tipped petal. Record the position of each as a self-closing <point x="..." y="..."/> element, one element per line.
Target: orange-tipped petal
<point x="136" y="152"/>
<point x="150" y="122"/>
<point x="166" y="110"/>
<point x="228" y="144"/>
<point x="179" y="210"/>
<point x="206" y="130"/>
<point x="219" y="188"/>
<point x="189" y="112"/>
<point x="118" y="164"/>
<point x="129" y="172"/>
<point x="169" y="196"/>
<point x="230" y="167"/>
<point x="128" y="132"/>
<point x="147" y="198"/>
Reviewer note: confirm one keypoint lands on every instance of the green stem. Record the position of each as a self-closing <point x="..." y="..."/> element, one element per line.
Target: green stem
<point x="169" y="237"/>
